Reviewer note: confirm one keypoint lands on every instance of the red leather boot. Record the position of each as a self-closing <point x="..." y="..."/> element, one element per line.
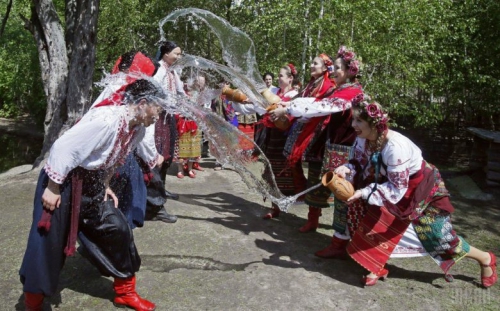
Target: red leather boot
<point x="33" y="302"/>
<point x="312" y="220"/>
<point x="336" y="249"/>
<point x="126" y="296"/>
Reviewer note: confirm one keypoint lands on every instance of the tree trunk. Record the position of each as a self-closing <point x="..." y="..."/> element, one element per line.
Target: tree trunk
<point x="320" y="19"/>
<point x="81" y="40"/>
<point x="306" y="37"/>
<point x="6" y="17"/>
<point x="66" y="61"/>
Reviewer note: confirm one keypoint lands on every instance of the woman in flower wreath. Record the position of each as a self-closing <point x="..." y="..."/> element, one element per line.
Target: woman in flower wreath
<point x="399" y="192"/>
<point x="325" y="139"/>
<point x="289" y="180"/>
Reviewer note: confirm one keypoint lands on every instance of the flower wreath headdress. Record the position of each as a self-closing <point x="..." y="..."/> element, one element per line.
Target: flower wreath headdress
<point x="375" y="113"/>
<point x="327" y="60"/>
<point x="292" y="69"/>
<point x="349" y="57"/>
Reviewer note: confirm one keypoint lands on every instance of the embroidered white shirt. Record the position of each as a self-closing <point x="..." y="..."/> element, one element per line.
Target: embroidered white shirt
<point x="100" y="140"/>
<point x="309" y="107"/>
<point x="402" y="159"/>
<point x="251" y="108"/>
<point x="169" y="79"/>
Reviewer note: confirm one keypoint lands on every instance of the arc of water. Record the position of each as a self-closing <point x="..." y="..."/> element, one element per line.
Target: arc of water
<point x="238" y="50"/>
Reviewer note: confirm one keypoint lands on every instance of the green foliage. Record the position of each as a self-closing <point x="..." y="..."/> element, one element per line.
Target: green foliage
<point x="21" y="90"/>
<point x="432" y="62"/>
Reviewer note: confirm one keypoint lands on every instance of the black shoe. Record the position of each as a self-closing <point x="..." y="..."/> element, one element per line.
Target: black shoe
<point x="162" y="215"/>
<point x="170" y="195"/>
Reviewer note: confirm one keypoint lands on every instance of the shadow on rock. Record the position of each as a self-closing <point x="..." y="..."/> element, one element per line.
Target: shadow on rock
<point x="424" y="277"/>
<point x="292" y="250"/>
<point x="161" y="263"/>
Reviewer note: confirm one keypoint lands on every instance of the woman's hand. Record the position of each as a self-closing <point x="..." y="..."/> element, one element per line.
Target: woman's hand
<point x="110" y="193"/>
<point x="342" y="171"/>
<point x="160" y="160"/>
<point x="357" y="195"/>
<point x="51" y="197"/>
<point x="277" y="113"/>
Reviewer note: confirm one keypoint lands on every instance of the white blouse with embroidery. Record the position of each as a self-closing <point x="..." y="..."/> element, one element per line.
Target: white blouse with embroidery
<point x="309" y="107"/>
<point x="401" y="157"/>
<point x="169" y="79"/>
<point x="252" y="108"/>
<point x="147" y="146"/>
<point x="100" y="140"/>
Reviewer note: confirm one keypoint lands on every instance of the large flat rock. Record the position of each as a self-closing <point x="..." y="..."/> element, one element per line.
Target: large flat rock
<point x="221" y="255"/>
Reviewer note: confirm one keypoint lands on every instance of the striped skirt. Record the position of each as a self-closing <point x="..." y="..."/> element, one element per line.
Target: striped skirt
<point x="189" y="146"/>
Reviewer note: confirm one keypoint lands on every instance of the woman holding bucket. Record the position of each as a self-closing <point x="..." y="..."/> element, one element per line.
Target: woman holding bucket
<point x="398" y="191"/>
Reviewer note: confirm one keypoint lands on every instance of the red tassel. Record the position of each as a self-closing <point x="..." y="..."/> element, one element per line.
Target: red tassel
<point x="147" y="177"/>
<point x="44" y="222"/>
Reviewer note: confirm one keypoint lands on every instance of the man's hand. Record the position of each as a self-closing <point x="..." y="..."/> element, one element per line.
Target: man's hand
<point x="51" y="197"/>
<point x="110" y="193"/>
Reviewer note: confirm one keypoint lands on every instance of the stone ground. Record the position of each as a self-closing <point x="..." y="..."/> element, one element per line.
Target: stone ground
<point x="221" y="255"/>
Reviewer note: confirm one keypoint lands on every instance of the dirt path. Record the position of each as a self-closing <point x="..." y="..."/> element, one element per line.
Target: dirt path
<point x="220" y="255"/>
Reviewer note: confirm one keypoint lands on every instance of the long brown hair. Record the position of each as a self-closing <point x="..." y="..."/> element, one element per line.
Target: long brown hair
<point x="358" y="111"/>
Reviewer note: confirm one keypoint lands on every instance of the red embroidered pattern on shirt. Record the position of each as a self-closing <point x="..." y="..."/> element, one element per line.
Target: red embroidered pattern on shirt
<point x="361" y="157"/>
<point x="399" y="179"/>
<point x="58" y="178"/>
<point x="169" y="79"/>
<point x="340" y="103"/>
<point x="121" y="147"/>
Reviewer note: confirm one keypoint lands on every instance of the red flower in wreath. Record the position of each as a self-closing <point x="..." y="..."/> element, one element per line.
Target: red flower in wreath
<point x="354" y="68"/>
<point x="348" y="56"/>
<point x="292" y="69"/>
<point x="373" y="111"/>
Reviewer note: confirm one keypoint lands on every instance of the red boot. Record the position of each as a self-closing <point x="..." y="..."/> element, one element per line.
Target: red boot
<point x="196" y="166"/>
<point x="275" y="213"/>
<point x="312" y="220"/>
<point x="336" y="249"/>
<point x="126" y="296"/>
<point x="33" y="302"/>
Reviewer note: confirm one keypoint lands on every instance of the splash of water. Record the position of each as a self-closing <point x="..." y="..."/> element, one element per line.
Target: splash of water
<point x="237" y="79"/>
<point x="231" y="145"/>
<point x="238" y="50"/>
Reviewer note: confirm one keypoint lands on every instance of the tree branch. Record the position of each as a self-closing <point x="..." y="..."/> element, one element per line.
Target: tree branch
<point x="4" y="21"/>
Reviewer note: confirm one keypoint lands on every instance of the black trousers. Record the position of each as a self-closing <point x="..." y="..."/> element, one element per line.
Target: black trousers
<point x="107" y="240"/>
<point x="103" y="231"/>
